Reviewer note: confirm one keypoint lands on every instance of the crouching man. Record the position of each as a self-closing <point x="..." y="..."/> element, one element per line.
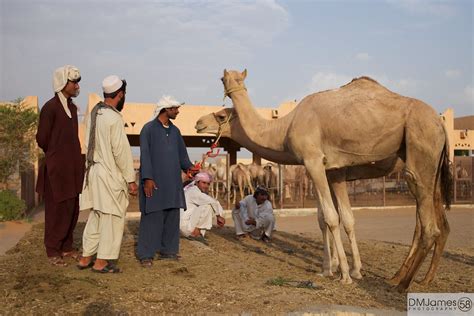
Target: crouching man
<point x="200" y="209"/>
<point x="254" y="214"/>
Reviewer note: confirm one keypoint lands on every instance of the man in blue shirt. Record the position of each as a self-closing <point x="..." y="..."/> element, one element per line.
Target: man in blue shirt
<point x="162" y="157"/>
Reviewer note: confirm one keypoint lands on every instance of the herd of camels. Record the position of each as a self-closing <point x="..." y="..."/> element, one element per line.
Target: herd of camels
<point x="358" y="131"/>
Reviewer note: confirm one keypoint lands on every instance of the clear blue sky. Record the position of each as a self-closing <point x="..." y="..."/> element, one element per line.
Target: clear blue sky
<point x="417" y="48"/>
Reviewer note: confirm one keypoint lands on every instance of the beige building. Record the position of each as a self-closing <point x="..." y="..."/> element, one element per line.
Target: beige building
<point x="460" y="130"/>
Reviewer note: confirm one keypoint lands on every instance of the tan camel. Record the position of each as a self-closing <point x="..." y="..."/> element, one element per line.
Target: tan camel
<point x="240" y="178"/>
<point x="343" y="128"/>
<point x="256" y="174"/>
<point x="270" y="181"/>
<point x="215" y="123"/>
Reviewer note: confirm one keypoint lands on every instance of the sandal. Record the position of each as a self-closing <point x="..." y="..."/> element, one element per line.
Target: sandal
<point x="71" y="254"/>
<point x="89" y="265"/>
<point x="146" y="263"/>
<point x="109" y="268"/>
<point x="172" y="257"/>
<point x="199" y="238"/>
<point x="57" y="261"/>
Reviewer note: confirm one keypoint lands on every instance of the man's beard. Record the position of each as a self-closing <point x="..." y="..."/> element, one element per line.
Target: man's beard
<point x="76" y="93"/>
<point x="120" y="104"/>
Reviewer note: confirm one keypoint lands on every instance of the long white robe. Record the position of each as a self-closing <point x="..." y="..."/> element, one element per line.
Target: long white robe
<point x="263" y="215"/>
<point x="200" y="210"/>
<point x="106" y="195"/>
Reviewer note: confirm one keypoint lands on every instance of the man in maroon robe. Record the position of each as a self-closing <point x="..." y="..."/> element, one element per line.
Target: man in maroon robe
<point x="61" y="175"/>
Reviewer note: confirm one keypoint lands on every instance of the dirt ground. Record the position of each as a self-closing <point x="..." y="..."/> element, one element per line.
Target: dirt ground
<point x="235" y="277"/>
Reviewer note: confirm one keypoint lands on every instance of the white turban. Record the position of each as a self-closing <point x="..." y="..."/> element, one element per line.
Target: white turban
<point x="203" y="176"/>
<point x="165" y="102"/>
<point x="63" y="74"/>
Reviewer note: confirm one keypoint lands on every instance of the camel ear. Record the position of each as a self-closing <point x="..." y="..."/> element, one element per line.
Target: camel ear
<point x="244" y="74"/>
<point x="225" y="72"/>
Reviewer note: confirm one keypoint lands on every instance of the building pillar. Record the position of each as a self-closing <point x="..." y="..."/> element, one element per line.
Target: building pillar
<point x="232" y="150"/>
<point x="256" y="159"/>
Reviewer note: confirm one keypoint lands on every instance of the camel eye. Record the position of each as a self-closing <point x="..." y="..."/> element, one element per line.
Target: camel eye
<point x="221" y="117"/>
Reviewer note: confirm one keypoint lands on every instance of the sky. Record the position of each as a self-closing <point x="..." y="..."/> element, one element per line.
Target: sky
<point x="417" y="48"/>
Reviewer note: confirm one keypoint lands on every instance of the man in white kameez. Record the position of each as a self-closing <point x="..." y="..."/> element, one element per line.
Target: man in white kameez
<point x="254" y="215"/>
<point x="109" y="179"/>
<point x="200" y="209"/>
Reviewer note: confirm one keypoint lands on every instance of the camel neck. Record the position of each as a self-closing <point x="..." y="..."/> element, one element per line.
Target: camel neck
<point x="269" y="134"/>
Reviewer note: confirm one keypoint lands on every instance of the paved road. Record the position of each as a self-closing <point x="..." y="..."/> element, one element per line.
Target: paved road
<point x="392" y="225"/>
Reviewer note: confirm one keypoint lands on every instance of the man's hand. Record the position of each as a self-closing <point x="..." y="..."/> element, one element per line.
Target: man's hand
<point x="193" y="170"/>
<point x="251" y="221"/>
<point x="220" y="221"/>
<point x="132" y="188"/>
<point x="149" y="187"/>
<point x="237" y="205"/>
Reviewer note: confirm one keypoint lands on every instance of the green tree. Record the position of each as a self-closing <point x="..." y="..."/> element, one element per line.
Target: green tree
<point x="18" y="124"/>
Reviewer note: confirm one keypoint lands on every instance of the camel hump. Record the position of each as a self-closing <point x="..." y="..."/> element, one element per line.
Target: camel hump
<point x="361" y="80"/>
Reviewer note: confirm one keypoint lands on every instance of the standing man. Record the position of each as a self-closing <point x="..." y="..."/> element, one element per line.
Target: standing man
<point x="197" y="218"/>
<point x="254" y="214"/>
<point x="162" y="157"/>
<point x="60" y="176"/>
<point x="109" y="180"/>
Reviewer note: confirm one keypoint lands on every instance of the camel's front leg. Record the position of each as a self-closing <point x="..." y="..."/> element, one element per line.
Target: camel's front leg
<point x="317" y="171"/>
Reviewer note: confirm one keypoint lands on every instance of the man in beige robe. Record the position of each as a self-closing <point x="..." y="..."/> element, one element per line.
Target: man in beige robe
<point x="109" y="172"/>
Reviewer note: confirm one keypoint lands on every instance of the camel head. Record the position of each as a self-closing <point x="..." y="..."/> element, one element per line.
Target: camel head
<point x="233" y="81"/>
<point x="216" y="122"/>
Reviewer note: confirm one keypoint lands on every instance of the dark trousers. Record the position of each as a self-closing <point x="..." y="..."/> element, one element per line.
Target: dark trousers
<point x="59" y="222"/>
<point x="158" y="232"/>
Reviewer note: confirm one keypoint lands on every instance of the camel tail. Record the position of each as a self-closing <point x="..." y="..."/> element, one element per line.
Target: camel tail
<point x="446" y="174"/>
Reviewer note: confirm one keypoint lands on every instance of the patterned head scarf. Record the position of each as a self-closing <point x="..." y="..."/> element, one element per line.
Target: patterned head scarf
<point x="63" y="74"/>
<point x="165" y="102"/>
<point x="201" y="176"/>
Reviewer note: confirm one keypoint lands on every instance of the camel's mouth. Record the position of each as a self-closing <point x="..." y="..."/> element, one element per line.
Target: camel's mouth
<point x="200" y="129"/>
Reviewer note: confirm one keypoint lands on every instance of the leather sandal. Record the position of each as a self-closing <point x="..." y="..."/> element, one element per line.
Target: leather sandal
<point x="57" y="261"/>
<point x="71" y="254"/>
<point x="146" y="263"/>
<point x="109" y="268"/>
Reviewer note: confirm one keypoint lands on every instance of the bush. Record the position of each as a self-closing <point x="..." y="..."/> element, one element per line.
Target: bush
<point x="11" y="207"/>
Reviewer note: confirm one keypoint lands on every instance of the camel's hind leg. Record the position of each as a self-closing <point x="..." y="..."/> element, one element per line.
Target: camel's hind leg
<point x="347" y="218"/>
<point x="424" y="140"/>
<point x="423" y="192"/>
<point x="440" y="242"/>
<point x="409" y="259"/>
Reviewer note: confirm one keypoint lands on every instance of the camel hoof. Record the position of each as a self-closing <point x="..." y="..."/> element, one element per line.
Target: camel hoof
<point x="401" y="288"/>
<point x="346" y="280"/>
<point x="394" y="280"/>
<point x="328" y="274"/>
<point x="355" y="274"/>
<point x="425" y="282"/>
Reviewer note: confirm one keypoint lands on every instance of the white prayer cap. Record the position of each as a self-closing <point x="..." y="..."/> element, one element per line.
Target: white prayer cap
<point x="111" y="84"/>
<point x="166" y="102"/>
<point x="63" y="74"/>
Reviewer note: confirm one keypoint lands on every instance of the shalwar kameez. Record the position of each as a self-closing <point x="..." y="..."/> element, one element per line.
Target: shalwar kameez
<point x="200" y="210"/>
<point x="162" y="157"/>
<point x="105" y="190"/>
<point x="263" y="215"/>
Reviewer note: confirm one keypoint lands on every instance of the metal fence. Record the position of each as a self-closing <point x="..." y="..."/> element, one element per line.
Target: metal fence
<point x="291" y="187"/>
